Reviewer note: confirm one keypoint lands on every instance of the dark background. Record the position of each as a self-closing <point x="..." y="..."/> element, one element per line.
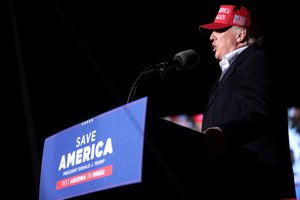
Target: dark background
<point x="67" y="61"/>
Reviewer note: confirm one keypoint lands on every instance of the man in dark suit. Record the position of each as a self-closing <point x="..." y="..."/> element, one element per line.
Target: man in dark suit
<point x="245" y="122"/>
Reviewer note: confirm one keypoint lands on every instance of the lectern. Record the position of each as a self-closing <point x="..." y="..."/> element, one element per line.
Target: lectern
<point x="125" y="153"/>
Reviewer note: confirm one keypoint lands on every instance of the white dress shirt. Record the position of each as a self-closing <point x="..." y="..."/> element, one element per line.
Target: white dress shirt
<point x="228" y="59"/>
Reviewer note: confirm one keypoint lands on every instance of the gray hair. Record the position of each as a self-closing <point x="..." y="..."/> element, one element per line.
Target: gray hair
<point x="252" y="37"/>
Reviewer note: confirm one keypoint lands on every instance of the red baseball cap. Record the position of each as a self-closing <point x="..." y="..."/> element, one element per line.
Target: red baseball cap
<point x="229" y="15"/>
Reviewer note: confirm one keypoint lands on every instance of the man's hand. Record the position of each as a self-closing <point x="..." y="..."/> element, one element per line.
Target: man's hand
<point x="214" y="142"/>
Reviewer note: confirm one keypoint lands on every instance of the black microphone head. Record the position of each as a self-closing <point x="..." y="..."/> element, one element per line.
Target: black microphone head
<point x="187" y="59"/>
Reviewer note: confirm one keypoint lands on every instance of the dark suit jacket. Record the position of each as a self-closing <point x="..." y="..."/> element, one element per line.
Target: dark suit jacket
<point x="247" y="105"/>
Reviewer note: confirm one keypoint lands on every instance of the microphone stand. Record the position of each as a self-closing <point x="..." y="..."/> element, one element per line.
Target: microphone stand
<point x="161" y="70"/>
<point x="182" y="61"/>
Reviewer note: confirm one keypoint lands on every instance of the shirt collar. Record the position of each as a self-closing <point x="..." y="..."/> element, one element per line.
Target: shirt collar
<point x="229" y="58"/>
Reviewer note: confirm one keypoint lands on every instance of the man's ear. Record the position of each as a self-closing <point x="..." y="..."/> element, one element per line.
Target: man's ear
<point x="242" y="35"/>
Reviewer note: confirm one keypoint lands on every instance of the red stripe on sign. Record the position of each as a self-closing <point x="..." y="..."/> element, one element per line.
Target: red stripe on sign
<point x="84" y="177"/>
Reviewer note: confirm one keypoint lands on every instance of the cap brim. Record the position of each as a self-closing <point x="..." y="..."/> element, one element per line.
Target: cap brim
<point x="214" y="26"/>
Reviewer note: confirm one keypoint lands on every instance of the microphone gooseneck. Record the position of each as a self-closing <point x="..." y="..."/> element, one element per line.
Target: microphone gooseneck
<point x="183" y="60"/>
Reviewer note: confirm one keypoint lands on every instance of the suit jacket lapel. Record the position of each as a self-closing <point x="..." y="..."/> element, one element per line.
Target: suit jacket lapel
<point x="219" y="84"/>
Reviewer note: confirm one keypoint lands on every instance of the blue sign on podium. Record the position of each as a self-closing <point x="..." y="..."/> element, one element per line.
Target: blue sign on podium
<point x="103" y="152"/>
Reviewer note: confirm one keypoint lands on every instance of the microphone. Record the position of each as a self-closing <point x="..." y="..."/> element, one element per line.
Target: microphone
<point x="183" y="60"/>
